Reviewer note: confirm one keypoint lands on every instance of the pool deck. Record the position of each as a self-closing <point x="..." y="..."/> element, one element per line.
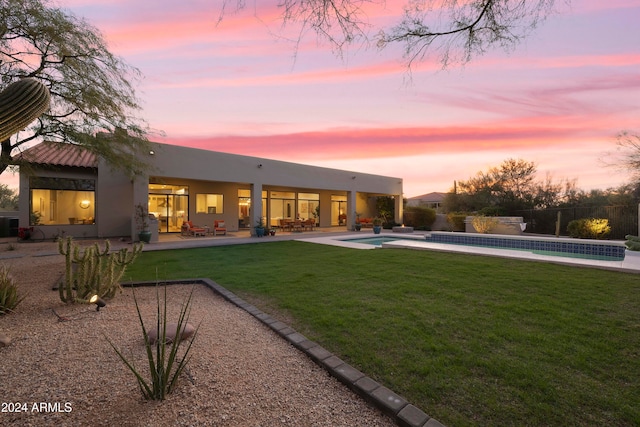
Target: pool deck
<point x="631" y="263"/>
<point x="339" y="236"/>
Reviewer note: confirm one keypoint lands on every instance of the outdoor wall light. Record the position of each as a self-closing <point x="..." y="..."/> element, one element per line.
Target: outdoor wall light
<point x="85" y="204"/>
<point x="99" y="302"/>
<point x="151" y="152"/>
<point x="260" y="165"/>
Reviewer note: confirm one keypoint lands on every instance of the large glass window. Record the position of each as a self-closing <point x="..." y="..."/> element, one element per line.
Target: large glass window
<point x="282" y="207"/>
<point x="209" y="203"/>
<point x="338" y="210"/>
<point x="309" y="206"/>
<point x="57" y="201"/>
<point x="244" y="207"/>
<point x="244" y="204"/>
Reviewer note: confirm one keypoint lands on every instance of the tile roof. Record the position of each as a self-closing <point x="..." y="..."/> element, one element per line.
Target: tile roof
<point x="430" y="197"/>
<point x="60" y="154"/>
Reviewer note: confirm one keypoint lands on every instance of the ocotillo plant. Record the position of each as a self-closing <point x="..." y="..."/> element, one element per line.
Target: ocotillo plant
<point x="92" y="271"/>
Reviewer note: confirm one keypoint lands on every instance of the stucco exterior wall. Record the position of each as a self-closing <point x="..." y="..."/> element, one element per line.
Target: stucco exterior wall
<point x="114" y="202"/>
<point x="209" y="172"/>
<point x="190" y="163"/>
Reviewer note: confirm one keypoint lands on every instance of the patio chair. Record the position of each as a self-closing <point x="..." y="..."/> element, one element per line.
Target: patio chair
<point x="309" y="224"/>
<point x="286" y="224"/>
<point x="219" y="227"/>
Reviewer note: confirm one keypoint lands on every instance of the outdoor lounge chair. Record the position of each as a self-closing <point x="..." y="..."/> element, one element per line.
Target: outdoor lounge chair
<point x="188" y="229"/>
<point x="219" y="227"/>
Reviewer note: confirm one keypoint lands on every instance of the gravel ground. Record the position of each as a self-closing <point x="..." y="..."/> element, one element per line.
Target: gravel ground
<point x="60" y="370"/>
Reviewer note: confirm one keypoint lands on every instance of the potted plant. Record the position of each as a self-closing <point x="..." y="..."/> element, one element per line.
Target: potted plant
<point x="272" y="231"/>
<point x="377" y="225"/>
<point x="142" y="219"/>
<point x="260" y="228"/>
<point x="358" y="225"/>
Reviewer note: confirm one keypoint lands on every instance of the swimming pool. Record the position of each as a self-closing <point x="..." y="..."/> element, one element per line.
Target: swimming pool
<point x="550" y="246"/>
<point x="625" y="261"/>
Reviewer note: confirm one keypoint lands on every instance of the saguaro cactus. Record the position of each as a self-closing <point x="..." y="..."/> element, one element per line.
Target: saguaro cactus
<point x="21" y="103"/>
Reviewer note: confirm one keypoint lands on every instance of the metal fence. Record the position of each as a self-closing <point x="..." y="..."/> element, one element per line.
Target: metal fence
<point x="623" y="220"/>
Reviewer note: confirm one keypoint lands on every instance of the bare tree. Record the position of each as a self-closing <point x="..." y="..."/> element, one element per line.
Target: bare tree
<point x="628" y="154"/>
<point x="91" y="89"/>
<point x="457" y="29"/>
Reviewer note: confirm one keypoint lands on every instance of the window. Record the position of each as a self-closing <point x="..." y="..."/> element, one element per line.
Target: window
<point x="308" y="205"/>
<point x="57" y="201"/>
<point x="209" y="203"/>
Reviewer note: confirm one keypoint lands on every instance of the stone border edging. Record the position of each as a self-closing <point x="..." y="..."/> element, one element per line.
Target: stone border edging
<point x="398" y="408"/>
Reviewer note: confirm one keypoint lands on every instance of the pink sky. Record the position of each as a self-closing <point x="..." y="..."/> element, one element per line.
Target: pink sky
<point x="559" y="99"/>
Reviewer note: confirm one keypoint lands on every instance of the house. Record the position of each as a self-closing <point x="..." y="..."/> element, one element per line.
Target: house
<point x="73" y="192"/>
<point x="429" y="200"/>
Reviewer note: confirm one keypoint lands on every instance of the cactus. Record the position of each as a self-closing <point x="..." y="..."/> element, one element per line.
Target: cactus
<point x="96" y="272"/>
<point x="66" y="289"/>
<point x="21" y="103"/>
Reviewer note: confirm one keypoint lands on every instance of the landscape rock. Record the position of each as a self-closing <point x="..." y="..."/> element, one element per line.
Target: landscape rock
<point x="4" y="340"/>
<point x="187" y="330"/>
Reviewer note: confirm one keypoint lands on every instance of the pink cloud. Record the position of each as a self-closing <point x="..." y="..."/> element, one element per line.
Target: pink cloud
<point x="388" y="142"/>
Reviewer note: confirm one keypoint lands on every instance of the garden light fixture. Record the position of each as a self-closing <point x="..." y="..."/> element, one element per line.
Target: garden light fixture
<point x="99" y="302"/>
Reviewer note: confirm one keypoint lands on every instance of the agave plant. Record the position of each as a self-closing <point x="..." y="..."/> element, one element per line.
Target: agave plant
<point x="165" y="365"/>
<point x="9" y="298"/>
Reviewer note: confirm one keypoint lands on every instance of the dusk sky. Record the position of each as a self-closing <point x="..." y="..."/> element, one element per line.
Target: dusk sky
<point x="558" y="100"/>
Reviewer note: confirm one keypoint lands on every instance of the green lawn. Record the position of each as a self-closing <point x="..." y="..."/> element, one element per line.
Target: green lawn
<point x="470" y="340"/>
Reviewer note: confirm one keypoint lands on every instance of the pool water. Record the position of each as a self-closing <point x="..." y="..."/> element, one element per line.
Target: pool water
<point x="377" y="241"/>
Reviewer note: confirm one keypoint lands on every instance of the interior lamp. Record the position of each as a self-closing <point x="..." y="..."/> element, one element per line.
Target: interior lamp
<point x="85" y="204"/>
<point x="99" y="302"/>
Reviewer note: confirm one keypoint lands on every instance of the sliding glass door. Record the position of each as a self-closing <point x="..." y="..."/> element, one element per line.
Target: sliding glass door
<point x="170" y="205"/>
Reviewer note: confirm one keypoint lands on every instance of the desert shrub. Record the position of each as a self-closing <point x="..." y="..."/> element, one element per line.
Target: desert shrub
<point x="484" y="224"/>
<point x="589" y="228"/>
<point x="492" y="211"/>
<point x="419" y="217"/>
<point x="456" y="220"/>
<point x="9" y="298"/>
<point x="165" y="367"/>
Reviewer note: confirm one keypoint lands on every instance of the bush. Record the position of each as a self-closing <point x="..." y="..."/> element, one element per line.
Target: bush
<point x="456" y="220"/>
<point x="492" y="211"/>
<point x="589" y="228"/>
<point x="9" y="298"/>
<point x="419" y="217"/>
<point x="484" y="224"/>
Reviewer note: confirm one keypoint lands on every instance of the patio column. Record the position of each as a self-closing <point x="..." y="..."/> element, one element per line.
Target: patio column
<point x="255" y="213"/>
<point x="140" y="196"/>
<point x="399" y="219"/>
<point x="351" y="209"/>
